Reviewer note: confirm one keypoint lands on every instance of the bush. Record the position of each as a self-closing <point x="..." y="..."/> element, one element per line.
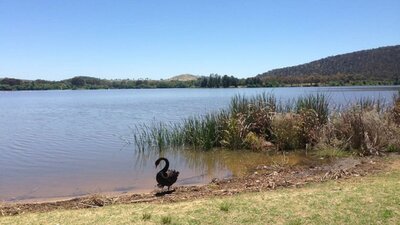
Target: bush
<point x="367" y="132"/>
<point x="286" y="130"/>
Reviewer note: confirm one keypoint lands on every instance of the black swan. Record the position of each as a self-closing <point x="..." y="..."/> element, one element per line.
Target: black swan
<point x="166" y="177"/>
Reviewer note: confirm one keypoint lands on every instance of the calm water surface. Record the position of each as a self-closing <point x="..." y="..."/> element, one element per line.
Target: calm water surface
<point x="68" y="143"/>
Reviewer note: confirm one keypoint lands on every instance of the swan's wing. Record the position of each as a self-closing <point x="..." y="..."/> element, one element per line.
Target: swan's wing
<point x="172" y="173"/>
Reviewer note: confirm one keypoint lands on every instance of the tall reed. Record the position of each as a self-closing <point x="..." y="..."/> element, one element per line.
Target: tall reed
<point x="318" y="103"/>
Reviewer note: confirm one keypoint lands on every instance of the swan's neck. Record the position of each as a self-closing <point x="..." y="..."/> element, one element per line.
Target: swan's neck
<point x="166" y="165"/>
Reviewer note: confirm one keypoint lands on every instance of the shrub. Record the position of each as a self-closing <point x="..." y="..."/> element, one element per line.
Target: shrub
<point x="286" y="131"/>
<point x="256" y="143"/>
<point x="368" y="132"/>
<point x="310" y="127"/>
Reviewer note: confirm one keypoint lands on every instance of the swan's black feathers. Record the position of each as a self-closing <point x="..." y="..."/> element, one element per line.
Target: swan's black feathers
<point x="166" y="177"/>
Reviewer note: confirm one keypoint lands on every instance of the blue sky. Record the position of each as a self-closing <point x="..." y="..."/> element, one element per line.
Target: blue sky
<point x="57" y="39"/>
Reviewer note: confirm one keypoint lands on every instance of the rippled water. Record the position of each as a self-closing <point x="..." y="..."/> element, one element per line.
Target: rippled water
<point x="67" y="143"/>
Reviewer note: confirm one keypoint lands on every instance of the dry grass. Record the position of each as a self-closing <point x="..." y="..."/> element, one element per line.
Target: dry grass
<point x="364" y="131"/>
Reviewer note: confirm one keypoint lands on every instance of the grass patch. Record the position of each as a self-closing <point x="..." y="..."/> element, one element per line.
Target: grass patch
<point x="224" y="206"/>
<point x="146" y="216"/>
<point x="331" y="152"/>
<point x="364" y="200"/>
<point x="166" y="220"/>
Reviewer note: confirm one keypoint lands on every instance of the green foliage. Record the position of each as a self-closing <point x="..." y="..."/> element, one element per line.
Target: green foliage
<point x="393" y="148"/>
<point x="85" y="82"/>
<point x="216" y="81"/>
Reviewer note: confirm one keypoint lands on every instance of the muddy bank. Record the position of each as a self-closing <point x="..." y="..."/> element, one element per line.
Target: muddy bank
<point x="261" y="178"/>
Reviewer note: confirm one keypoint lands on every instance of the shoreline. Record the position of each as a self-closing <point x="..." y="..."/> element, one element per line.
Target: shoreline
<point x="239" y="87"/>
<point x="261" y="178"/>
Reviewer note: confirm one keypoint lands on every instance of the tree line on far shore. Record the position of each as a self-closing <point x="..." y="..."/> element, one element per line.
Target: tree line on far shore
<point x="211" y="81"/>
<point x="85" y="82"/>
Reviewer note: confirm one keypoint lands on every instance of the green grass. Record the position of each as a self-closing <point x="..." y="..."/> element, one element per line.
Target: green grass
<point x="363" y="200"/>
<point x="331" y="152"/>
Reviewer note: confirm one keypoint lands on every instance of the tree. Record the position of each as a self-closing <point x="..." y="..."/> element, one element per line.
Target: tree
<point x="225" y="81"/>
<point x="78" y="81"/>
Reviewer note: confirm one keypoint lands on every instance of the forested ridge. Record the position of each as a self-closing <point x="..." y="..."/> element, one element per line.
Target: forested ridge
<point x="374" y="65"/>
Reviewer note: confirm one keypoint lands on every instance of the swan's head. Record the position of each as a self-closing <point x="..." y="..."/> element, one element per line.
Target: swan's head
<point x="160" y="159"/>
<point x="158" y="162"/>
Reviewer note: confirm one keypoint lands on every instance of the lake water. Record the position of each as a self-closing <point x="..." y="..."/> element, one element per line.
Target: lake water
<point x="69" y="143"/>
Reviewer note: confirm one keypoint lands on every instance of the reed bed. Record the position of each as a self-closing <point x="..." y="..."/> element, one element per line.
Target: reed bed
<point x="262" y="123"/>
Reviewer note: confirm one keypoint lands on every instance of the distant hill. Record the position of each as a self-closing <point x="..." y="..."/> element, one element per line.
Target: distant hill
<point x="374" y="64"/>
<point x="184" y="77"/>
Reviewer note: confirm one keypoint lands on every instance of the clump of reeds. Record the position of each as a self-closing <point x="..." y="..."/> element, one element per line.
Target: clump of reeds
<point x="157" y="135"/>
<point x="299" y="124"/>
<point x="261" y="123"/>
<point x="199" y="132"/>
<point x="247" y="122"/>
<point x="318" y="104"/>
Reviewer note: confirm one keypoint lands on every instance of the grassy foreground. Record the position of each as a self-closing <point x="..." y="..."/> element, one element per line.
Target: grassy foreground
<point x="365" y="200"/>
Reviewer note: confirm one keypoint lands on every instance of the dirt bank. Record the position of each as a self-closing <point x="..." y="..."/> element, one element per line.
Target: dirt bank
<point x="260" y="178"/>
